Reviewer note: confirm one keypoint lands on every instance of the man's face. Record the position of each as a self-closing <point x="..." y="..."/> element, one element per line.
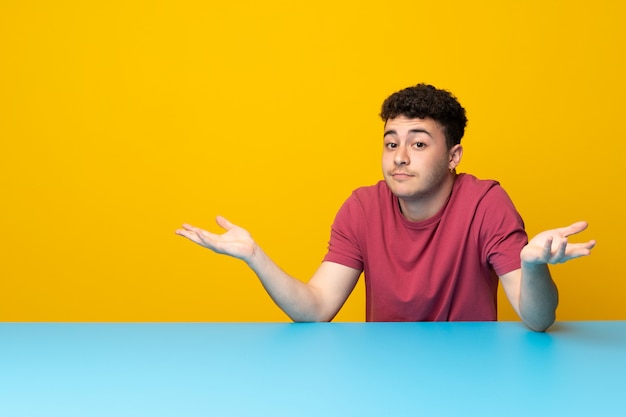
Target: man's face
<point x="416" y="161"/>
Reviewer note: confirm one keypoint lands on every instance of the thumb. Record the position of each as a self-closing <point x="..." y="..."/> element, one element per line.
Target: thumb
<point x="224" y="223"/>
<point x="572" y="229"/>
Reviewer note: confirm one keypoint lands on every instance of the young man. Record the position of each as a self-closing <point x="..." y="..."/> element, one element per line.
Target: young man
<point x="432" y="244"/>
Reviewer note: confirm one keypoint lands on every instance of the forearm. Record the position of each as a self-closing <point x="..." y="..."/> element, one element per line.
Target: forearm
<point x="297" y="299"/>
<point x="538" y="298"/>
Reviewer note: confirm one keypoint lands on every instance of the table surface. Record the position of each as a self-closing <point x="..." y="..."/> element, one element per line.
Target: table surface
<point x="321" y="369"/>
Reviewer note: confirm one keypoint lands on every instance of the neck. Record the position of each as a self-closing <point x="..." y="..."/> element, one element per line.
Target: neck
<point x="426" y="206"/>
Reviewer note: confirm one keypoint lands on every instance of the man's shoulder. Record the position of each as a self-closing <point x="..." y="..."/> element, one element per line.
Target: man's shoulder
<point x="469" y="181"/>
<point x="485" y="196"/>
<point x="372" y="194"/>
<point x="370" y="198"/>
<point x="469" y="185"/>
<point x="472" y="191"/>
<point x="379" y="187"/>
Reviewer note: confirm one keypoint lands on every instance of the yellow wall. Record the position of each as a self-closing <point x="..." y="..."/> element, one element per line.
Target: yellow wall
<point x="119" y="120"/>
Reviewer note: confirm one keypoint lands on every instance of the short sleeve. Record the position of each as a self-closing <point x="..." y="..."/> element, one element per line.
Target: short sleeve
<point x="343" y="246"/>
<point x="502" y="232"/>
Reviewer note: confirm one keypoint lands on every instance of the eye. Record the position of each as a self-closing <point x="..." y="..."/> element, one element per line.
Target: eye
<point x="419" y="145"/>
<point x="391" y="145"/>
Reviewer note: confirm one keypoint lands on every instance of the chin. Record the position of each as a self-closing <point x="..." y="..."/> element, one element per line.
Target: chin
<point x="406" y="193"/>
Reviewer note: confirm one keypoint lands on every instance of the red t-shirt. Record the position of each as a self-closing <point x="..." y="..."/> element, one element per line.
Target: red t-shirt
<point x="444" y="268"/>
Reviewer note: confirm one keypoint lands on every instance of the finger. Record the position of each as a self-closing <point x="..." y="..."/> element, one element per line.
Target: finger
<point x="209" y="240"/>
<point x="574" y="228"/>
<point x="203" y="234"/>
<point x="585" y="245"/>
<point x="559" y="256"/>
<point x="547" y="249"/>
<point x="580" y="249"/>
<point x="188" y="226"/>
<point x="188" y="230"/>
<point x="189" y="235"/>
<point x="184" y="229"/>
<point x="225" y="224"/>
<point x="205" y="237"/>
<point x="195" y="233"/>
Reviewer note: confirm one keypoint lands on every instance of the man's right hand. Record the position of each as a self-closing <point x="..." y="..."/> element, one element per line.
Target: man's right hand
<point x="236" y="241"/>
<point x="319" y="299"/>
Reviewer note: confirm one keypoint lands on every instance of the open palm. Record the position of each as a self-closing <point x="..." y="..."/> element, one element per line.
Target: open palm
<point x="553" y="247"/>
<point x="236" y="241"/>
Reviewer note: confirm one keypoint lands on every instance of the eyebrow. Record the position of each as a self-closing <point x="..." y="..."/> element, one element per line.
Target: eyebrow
<point x="393" y="132"/>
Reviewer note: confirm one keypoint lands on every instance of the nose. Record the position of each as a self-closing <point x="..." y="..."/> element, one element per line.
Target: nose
<point x="401" y="157"/>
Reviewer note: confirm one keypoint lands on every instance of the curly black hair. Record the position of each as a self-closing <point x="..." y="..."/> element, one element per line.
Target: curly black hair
<point x="426" y="101"/>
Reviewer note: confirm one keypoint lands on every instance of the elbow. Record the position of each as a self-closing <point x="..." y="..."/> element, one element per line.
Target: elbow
<point x="539" y="324"/>
<point x="313" y="316"/>
<point x="539" y="328"/>
<point x="310" y="320"/>
<point x="538" y="317"/>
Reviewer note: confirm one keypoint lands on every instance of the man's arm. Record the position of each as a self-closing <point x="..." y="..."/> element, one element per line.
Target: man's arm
<point x="317" y="300"/>
<point x="530" y="289"/>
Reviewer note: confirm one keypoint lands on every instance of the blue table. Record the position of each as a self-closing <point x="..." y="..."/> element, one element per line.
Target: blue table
<point x="330" y="369"/>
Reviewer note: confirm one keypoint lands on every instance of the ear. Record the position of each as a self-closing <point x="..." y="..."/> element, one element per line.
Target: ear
<point x="455" y="153"/>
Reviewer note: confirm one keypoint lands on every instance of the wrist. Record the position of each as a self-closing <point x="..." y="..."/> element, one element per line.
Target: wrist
<point x="254" y="259"/>
<point x="529" y="258"/>
<point x="531" y="272"/>
<point x="531" y="264"/>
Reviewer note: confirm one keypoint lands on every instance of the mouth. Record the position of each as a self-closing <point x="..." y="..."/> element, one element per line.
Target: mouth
<point x="401" y="175"/>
